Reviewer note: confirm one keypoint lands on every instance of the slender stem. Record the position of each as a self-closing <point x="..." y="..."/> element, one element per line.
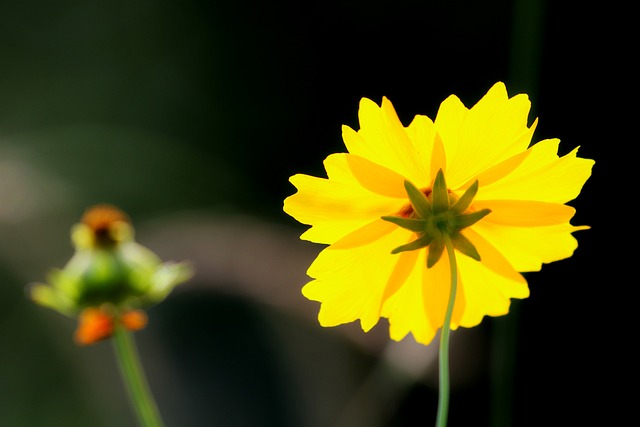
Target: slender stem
<point x="134" y="379"/>
<point x="443" y="356"/>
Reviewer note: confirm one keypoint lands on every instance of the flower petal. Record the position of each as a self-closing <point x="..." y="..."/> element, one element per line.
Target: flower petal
<point x="437" y="284"/>
<point x="496" y="261"/>
<point x="351" y="283"/>
<point x="527" y="248"/>
<point x="364" y="235"/>
<point x="525" y="213"/>
<point x="486" y="292"/>
<point x="493" y="130"/>
<point x="406" y="309"/>
<point x="336" y="206"/>
<point x="422" y="133"/>
<point x="383" y="139"/>
<point x="542" y="176"/>
<point x="419" y="306"/>
<point x="371" y="176"/>
<point x="497" y="171"/>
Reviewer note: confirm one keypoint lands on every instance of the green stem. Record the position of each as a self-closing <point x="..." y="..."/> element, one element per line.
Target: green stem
<point x="443" y="356"/>
<point x="134" y="379"/>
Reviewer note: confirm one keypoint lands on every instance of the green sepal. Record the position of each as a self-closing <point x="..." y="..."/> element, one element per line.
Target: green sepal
<point x="435" y="251"/>
<point x="419" y="201"/>
<point x="437" y="217"/>
<point x="463" y="244"/>
<point x="421" y="242"/>
<point x="440" y="194"/>
<point x="168" y="276"/>
<point x="465" y="220"/>
<point x="49" y="297"/>
<point x="412" y="224"/>
<point x="465" y="201"/>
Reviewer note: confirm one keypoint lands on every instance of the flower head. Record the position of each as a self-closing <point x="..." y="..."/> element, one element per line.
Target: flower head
<point x="109" y="278"/>
<point x="470" y="173"/>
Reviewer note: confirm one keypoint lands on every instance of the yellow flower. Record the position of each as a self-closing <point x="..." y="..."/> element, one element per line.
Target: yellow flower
<point x="109" y="278"/>
<point x="516" y="195"/>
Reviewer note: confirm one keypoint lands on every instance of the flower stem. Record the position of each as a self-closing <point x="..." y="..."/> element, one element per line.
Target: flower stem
<point x="443" y="356"/>
<point x="134" y="379"/>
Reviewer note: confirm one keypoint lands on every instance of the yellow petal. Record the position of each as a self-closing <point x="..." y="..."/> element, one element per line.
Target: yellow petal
<point x="495" y="172"/>
<point x="527" y="248"/>
<point x="351" y="283"/>
<point x="438" y="157"/>
<point x="335" y="208"/>
<point x="491" y="131"/>
<point x="437" y="293"/>
<point x="486" y="292"/>
<point x="419" y="305"/>
<point x="365" y="234"/>
<point x="449" y="122"/>
<point x="406" y="308"/>
<point x="525" y="213"/>
<point x="383" y="139"/>
<point x="371" y="176"/>
<point x="542" y="176"/>
<point x="422" y="133"/>
<point x="497" y="262"/>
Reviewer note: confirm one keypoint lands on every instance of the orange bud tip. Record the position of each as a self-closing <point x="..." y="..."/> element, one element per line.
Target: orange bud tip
<point x="134" y="320"/>
<point x="93" y="325"/>
<point x="102" y="216"/>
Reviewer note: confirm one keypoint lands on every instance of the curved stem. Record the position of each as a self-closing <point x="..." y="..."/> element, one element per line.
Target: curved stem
<point x="443" y="356"/>
<point x="134" y="379"/>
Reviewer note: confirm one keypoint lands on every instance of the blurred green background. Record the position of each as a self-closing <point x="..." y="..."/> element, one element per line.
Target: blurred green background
<point x="191" y="116"/>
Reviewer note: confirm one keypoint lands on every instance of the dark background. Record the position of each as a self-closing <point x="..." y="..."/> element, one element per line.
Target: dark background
<point x="192" y="115"/>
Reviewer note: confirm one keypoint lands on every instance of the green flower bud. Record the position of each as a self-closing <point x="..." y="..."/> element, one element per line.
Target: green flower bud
<point x="108" y="268"/>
